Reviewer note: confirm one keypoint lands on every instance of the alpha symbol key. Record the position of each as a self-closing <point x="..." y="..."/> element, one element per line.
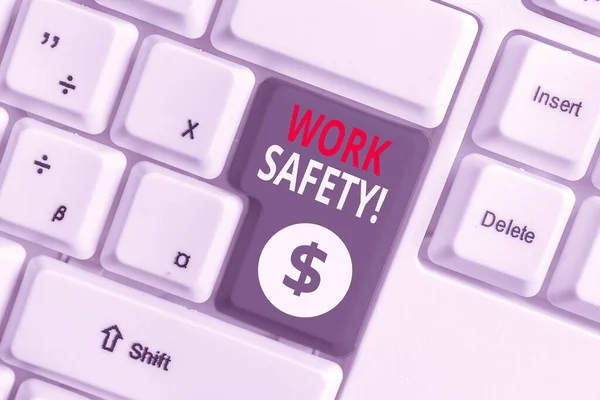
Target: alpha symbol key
<point x="306" y="270"/>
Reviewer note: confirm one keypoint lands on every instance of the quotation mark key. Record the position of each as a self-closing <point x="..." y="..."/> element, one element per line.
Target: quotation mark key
<point x="42" y="165"/>
<point x="55" y="40"/>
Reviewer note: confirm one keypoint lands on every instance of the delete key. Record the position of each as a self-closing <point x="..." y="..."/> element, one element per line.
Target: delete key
<point x="329" y="186"/>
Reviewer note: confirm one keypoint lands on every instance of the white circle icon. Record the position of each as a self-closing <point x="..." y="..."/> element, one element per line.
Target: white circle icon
<point x="305" y="270"/>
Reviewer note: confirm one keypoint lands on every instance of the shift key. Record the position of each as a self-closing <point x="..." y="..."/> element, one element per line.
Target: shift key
<point x="329" y="186"/>
<point x="115" y="342"/>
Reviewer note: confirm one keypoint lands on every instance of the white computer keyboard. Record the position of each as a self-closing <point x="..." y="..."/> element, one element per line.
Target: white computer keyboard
<point x="298" y="200"/>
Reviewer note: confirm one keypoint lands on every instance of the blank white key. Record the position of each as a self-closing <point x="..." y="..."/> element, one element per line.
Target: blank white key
<point x="171" y="232"/>
<point x="501" y="225"/>
<point x="575" y="285"/>
<point x="145" y="347"/>
<point x="542" y="108"/>
<point x="7" y="380"/>
<point x="56" y="188"/>
<point x="3" y="122"/>
<point x="6" y="10"/>
<point x="186" y="17"/>
<point x="596" y="175"/>
<point x="383" y="53"/>
<point x="586" y="12"/>
<point x="66" y="62"/>
<point x="12" y="257"/>
<point x="188" y="120"/>
<point x="34" y="389"/>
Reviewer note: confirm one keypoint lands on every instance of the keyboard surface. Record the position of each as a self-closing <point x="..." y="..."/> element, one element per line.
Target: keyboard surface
<point x="328" y="200"/>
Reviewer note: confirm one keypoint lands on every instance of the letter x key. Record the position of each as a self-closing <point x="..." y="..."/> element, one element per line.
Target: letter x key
<point x="190" y="130"/>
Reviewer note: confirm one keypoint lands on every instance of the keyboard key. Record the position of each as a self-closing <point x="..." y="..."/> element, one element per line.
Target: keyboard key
<point x="178" y="249"/>
<point x="12" y="257"/>
<point x="596" y="175"/>
<point x="326" y="204"/>
<point x="542" y="108"/>
<point x="335" y="51"/>
<point x="586" y="12"/>
<point x="186" y="17"/>
<point x="3" y="122"/>
<point x="501" y="225"/>
<point x="574" y="285"/>
<point x="56" y="188"/>
<point x="34" y="389"/>
<point x="7" y="380"/>
<point x="84" y="54"/>
<point x="188" y="120"/>
<point x="6" y="11"/>
<point x="147" y="347"/>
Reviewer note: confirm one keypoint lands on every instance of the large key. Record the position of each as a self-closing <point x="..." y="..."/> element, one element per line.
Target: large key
<point x="330" y="186"/>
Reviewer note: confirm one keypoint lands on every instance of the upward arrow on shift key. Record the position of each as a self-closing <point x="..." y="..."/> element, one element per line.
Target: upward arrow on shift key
<point x="112" y="336"/>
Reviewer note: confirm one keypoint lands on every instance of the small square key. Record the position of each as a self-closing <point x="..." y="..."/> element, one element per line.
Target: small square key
<point x="6" y="9"/>
<point x="182" y="106"/>
<point x="172" y="232"/>
<point x="7" y="379"/>
<point x="186" y="17"/>
<point x="3" y="122"/>
<point x="12" y="257"/>
<point x="66" y="62"/>
<point x="501" y="225"/>
<point x="584" y="11"/>
<point x="574" y="286"/>
<point x="330" y="186"/>
<point x="542" y="108"/>
<point x="56" y="188"/>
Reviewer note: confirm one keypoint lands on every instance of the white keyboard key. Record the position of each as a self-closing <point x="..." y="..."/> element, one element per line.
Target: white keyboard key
<point x="56" y="188"/>
<point x="336" y="51"/>
<point x="146" y="347"/>
<point x="188" y="120"/>
<point x="186" y="17"/>
<point x="542" y="108"/>
<point x="586" y="12"/>
<point x="34" y="389"/>
<point x="501" y="225"/>
<point x="6" y="10"/>
<point x="172" y="232"/>
<point x="66" y="62"/>
<point x="3" y="122"/>
<point x="575" y="285"/>
<point x="596" y="175"/>
<point x="7" y="380"/>
<point x="12" y="257"/>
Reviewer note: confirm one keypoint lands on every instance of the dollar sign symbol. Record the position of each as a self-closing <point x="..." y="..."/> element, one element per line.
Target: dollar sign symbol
<point x="306" y="270"/>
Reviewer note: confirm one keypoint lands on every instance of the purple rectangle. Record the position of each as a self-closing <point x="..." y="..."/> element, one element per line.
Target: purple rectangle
<point x="329" y="185"/>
